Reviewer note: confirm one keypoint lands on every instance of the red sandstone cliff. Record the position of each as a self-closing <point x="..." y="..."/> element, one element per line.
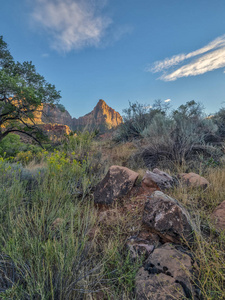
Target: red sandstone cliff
<point x="102" y="116"/>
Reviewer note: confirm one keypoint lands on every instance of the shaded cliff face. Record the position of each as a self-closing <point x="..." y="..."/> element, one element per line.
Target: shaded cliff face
<point x="56" y="116"/>
<point x="102" y="116"/>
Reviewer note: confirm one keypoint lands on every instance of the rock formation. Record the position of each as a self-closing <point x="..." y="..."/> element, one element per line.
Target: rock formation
<point x="117" y="183"/>
<point x="158" y="180"/>
<point x="168" y="218"/>
<point x="101" y="117"/>
<point x="166" y="275"/>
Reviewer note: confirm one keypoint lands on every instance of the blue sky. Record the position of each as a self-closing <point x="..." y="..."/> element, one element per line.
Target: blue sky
<point x="120" y="51"/>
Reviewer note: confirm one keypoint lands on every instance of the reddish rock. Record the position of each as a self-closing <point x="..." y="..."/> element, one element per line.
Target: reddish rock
<point x="165" y="276"/>
<point x="55" y="129"/>
<point x="166" y="217"/>
<point x="194" y="180"/>
<point x="117" y="183"/>
<point x="157" y="180"/>
<point x="101" y="116"/>
<point x="218" y="216"/>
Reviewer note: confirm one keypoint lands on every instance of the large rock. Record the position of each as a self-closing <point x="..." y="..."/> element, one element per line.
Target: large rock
<point x="218" y="216"/>
<point x="194" y="180"/>
<point x="117" y="183"/>
<point x="166" y="275"/>
<point x="139" y="247"/>
<point x="158" y="180"/>
<point x="166" y="217"/>
<point x="102" y="116"/>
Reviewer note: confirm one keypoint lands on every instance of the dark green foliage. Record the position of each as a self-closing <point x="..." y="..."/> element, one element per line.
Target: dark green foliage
<point x="11" y="145"/>
<point x="60" y="107"/>
<point x="22" y="91"/>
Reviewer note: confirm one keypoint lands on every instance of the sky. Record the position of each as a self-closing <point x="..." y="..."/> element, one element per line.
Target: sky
<point x="121" y="51"/>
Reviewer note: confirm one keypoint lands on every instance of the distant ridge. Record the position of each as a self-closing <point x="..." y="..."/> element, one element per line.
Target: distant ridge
<point x="102" y="117"/>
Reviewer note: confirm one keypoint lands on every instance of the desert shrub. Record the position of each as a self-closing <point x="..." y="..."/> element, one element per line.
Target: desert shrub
<point x="137" y="117"/>
<point x="180" y="137"/>
<point x="159" y="128"/>
<point x="79" y="142"/>
<point x="11" y="172"/>
<point x="219" y="120"/>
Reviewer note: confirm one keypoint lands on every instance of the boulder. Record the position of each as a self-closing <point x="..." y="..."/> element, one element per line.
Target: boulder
<point x="168" y="218"/>
<point x="139" y="247"/>
<point x="194" y="180"/>
<point x="157" y="180"/>
<point x="218" y="216"/>
<point x="166" y="275"/>
<point x="117" y="183"/>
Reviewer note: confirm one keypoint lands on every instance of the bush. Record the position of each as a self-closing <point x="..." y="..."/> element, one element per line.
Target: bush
<point x="137" y="117"/>
<point x="11" y="145"/>
<point x="180" y="137"/>
<point x="219" y="120"/>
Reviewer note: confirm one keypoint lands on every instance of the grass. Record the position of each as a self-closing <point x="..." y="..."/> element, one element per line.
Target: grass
<point x="83" y="255"/>
<point x="209" y="246"/>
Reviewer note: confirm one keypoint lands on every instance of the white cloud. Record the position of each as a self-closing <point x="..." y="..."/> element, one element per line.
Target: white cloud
<point x="71" y="24"/>
<point x="212" y="57"/>
<point x="167" y="100"/>
<point x="206" y="63"/>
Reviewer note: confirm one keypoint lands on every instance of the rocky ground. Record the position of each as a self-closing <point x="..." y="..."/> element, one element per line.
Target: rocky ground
<point x="164" y="231"/>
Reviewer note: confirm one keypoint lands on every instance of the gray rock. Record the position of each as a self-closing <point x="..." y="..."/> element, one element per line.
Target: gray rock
<point x="166" y="275"/>
<point x="157" y="179"/>
<point x="168" y="218"/>
<point x="117" y="183"/>
<point x="139" y="247"/>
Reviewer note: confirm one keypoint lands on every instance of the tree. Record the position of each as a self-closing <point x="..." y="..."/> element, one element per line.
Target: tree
<point x="22" y="91"/>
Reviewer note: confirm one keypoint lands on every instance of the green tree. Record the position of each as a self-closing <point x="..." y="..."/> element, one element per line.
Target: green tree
<point x="22" y="91"/>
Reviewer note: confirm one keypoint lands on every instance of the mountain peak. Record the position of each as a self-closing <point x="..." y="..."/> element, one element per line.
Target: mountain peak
<point x="102" y="116"/>
<point x="101" y="102"/>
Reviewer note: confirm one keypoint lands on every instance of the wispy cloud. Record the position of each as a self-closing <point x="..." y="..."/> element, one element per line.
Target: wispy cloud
<point x="45" y="55"/>
<point x="71" y="24"/>
<point x="167" y="100"/>
<point x="209" y="58"/>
